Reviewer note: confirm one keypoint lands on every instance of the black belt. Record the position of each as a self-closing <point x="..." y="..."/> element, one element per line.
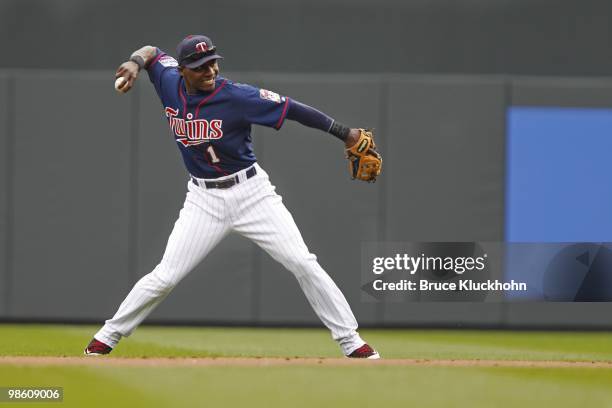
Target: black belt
<point x="227" y="183"/>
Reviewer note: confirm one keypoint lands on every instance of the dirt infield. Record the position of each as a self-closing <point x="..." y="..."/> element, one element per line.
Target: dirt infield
<point x="278" y="362"/>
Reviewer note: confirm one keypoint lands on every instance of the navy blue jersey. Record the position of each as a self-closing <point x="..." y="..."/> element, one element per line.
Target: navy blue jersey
<point x="213" y="129"/>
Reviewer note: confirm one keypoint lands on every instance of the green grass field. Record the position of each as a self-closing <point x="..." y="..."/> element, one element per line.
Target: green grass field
<point x="310" y="385"/>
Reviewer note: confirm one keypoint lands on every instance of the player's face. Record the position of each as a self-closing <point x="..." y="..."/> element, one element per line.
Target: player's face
<point x="201" y="78"/>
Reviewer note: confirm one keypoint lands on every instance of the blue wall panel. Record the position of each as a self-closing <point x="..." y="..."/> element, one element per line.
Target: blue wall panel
<point x="558" y="175"/>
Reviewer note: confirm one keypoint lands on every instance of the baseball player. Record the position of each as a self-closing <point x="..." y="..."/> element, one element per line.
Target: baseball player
<point x="210" y="118"/>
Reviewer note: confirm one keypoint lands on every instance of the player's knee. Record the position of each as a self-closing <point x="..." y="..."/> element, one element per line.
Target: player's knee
<point x="301" y="265"/>
<point x="165" y="279"/>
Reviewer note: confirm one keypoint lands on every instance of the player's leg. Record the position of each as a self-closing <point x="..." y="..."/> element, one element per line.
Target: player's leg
<point x="199" y="228"/>
<point x="261" y="216"/>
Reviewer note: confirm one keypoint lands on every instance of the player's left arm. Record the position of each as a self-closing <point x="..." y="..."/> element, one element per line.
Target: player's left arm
<point x="365" y="163"/>
<point x="311" y="117"/>
<point x="267" y="108"/>
<point x="263" y="107"/>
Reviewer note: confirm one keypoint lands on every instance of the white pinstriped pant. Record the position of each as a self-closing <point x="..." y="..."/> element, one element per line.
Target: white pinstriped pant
<point x="253" y="209"/>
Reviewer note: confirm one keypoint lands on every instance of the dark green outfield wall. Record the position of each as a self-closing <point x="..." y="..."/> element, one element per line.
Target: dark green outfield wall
<point x="90" y="191"/>
<point x="524" y="37"/>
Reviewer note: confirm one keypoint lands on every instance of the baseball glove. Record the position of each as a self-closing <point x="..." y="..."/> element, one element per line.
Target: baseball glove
<point x="365" y="163"/>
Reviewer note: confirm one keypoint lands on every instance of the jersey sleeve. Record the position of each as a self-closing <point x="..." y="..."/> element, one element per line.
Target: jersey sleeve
<point x="263" y="107"/>
<point x="163" y="72"/>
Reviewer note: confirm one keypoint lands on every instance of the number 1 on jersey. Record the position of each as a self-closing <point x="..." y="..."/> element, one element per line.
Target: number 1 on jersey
<point x="213" y="155"/>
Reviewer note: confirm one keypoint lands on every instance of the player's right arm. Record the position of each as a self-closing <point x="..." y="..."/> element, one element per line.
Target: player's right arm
<point x="129" y="70"/>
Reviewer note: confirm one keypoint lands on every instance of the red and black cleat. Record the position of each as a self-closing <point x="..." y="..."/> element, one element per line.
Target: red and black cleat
<point x="365" y="351"/>
<point x="97" y="348"/>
